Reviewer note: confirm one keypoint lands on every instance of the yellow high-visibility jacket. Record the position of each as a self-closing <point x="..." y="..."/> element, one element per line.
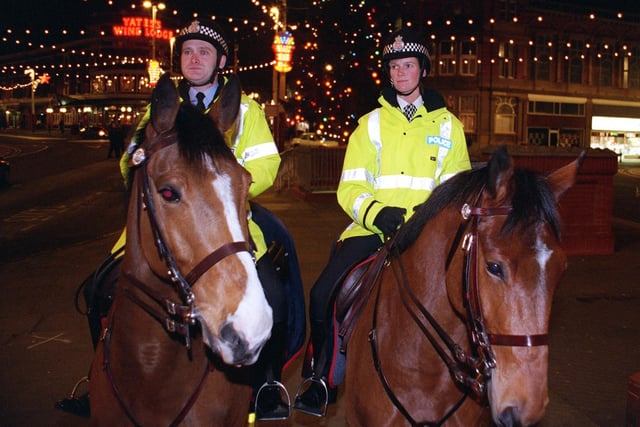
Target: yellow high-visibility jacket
<point x="393" y="162"/>
<point x="253" y="146"/>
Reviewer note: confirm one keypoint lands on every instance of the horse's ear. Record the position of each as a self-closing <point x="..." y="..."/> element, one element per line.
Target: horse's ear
<point x="562" y="179"/>
<point x="224" y="112"/>
<point x="500" y="169"/>
<point x="165" y="103"/>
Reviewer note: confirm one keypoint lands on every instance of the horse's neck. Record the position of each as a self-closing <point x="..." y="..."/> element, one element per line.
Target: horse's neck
<point x="436" y="286"/>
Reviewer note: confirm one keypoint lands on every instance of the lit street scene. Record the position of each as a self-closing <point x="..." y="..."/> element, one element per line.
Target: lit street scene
<point x="101" y="129"/>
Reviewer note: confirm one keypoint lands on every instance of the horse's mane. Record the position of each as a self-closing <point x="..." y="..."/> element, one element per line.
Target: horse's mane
<point x="198" y="136"/>
<point x="532" y="202"/>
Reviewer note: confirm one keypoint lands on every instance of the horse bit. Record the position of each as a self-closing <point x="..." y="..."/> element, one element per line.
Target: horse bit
<point x="469" y="372"/>
<point x="180" y="315"/>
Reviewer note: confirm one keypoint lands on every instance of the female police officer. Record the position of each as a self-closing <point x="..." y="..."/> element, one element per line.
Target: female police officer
<point x="395" y="157"/>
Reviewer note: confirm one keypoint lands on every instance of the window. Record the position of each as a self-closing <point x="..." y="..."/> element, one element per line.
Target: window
<point x="505" y="118"/>
<point x="507" y="9"/>
<point x="556" y="108"/>
<point x="447" y="59"/>
<point x="468" y="112"/>
<point x="543" y="57"/>
<point x="538" y="136"/>
<point x="605" y="58"/>
<point x="507" y="60"/>
<point x="97" y="85"/>
<point x="574" y="61"/>
<point x="606" y="73"/>
<point x="570" y="138"/>
<point x="468" y="58"/>
<point x="127" y="84"/>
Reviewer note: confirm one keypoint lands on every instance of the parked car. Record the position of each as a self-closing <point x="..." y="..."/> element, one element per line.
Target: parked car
<point x="5" y="172"/>
<point x="93" y="132"/>
<point x="311" y="139"/>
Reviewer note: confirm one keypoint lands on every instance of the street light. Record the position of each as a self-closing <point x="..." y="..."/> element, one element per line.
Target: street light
<point x="154" y="10"/>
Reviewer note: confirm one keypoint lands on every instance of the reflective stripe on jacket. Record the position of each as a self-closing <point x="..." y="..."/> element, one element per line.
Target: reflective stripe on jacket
<point x="393" y="162"/>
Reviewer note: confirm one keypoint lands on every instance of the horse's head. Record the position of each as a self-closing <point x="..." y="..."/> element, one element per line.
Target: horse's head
<point x="514" y="263"/>
<point x="195" y="194"/>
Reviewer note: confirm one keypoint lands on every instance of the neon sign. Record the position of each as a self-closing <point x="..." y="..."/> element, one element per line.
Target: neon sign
<point x="135" y="26"/>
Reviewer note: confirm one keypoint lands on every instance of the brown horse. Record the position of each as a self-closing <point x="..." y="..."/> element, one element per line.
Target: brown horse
<point x="455" y="330"/>
<point x="188" y="302"/>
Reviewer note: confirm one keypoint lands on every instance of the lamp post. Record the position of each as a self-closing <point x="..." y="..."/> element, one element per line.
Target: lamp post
<point x="154" y="66"/>
<point x="32" y="74"/>
<point x="154" y="10"/>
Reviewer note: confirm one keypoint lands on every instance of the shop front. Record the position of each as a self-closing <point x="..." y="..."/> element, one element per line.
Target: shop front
<point x="615" y="125"/>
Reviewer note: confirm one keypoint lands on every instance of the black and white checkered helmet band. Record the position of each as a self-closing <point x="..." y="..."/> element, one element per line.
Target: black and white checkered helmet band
<point x="196" y="30"/>
<point x="398" y="49"/>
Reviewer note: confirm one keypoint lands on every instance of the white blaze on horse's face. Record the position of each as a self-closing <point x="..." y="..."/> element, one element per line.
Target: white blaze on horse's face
<point x="242" y="333"/>
<point x="521" y="372"/>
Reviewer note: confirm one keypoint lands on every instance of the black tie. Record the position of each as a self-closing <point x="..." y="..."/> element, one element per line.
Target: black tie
<point x="200" y="104"/>
<point x="409" y="110"/>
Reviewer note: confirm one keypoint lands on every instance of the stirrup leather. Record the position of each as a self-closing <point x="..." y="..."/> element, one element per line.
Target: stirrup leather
<point x="271" y="385"/>
<point x="299" y="406"/>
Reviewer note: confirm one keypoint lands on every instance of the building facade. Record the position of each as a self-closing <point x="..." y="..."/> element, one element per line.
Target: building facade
<point x="517" y="72"/>
<point x="539" y="73"/>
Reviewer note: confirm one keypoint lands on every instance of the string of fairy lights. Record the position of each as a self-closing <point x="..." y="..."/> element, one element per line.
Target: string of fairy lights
<point x="88" y="59"/>
<point x="240" y="26"/>
<point x="358" y="44"/>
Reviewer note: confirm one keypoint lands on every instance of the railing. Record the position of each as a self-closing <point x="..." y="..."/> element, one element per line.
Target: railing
<point x="311" y="169"/>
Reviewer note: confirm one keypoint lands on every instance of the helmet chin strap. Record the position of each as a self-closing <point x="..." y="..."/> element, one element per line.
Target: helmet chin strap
<point x="407" y="92"/>
<point x="210" y="80"/>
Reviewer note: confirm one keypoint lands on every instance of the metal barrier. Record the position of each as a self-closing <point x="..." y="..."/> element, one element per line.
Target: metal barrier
<point x="311" y="169"/>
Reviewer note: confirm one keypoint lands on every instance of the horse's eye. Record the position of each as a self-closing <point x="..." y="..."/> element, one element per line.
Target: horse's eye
<point x="169" y="194"/>
<point x="495" y="269"/>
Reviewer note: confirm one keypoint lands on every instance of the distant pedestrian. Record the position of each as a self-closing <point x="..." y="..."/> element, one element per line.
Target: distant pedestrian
<point x="61" y="125"/>
<point x="116" y="140"/>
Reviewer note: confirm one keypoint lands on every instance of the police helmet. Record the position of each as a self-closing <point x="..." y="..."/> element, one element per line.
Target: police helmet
<point x="204" y="30"/>
<point x="405" y="43"/>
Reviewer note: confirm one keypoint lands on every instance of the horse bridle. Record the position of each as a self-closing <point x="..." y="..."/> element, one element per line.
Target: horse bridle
<point x="180" y="316"/>
<point x="471" y="372"/>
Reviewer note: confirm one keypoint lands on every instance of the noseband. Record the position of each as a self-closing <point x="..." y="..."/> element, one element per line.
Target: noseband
<point x="470" y="372"/>
<point x="179" y="316"/>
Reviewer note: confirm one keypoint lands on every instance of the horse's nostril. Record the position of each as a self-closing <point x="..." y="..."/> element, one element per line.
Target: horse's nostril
<point x="510" y="417"/>
<point x="229" y="335"/>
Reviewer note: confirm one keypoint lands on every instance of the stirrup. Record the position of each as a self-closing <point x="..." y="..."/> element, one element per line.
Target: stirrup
<point x="279" y="387"/>
<point x="299" y="406"/>
<point x="74" y="404"/>
<point x="75" y="387"/>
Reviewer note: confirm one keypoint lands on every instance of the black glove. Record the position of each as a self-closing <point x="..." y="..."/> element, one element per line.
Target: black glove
<point x="389" y="219"/>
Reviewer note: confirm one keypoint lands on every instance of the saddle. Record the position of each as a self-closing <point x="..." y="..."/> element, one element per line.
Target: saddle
<point x="356" y="288"/>
<point x="98" y="290"/>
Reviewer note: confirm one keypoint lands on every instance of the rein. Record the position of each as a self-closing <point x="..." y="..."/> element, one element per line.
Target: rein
<point x="470" y="372"/>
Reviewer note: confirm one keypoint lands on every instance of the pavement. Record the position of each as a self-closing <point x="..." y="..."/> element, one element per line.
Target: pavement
<point x="594" y="331"/>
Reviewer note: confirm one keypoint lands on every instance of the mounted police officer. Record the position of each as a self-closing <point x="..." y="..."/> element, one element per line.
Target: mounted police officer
<point x="203" y="52"/>
<point x="395" y="158"/>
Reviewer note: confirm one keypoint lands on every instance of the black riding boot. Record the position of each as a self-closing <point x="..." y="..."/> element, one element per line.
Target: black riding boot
<point x="269" y="404"/>
<point x="315" y="398"/>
